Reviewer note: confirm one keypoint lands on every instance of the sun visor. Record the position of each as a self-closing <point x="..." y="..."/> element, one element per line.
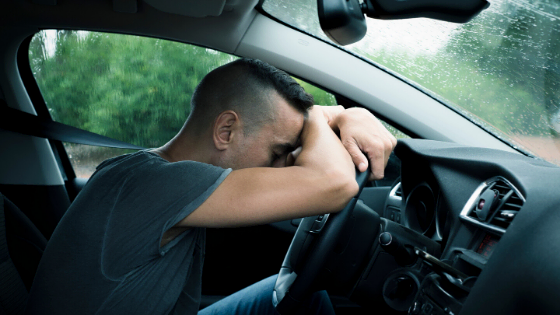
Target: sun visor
<point x="191" y="8"/>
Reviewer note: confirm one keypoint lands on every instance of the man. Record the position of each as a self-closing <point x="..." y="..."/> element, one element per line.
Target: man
<point x="133" y="240"/>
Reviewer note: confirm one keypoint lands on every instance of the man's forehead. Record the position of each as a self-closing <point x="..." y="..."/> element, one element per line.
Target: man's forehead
<point x="287" y="123"/>
<point x="287" y="129"/>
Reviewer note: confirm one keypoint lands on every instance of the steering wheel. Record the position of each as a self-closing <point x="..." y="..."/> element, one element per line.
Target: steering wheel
<point x="312" y="246"/>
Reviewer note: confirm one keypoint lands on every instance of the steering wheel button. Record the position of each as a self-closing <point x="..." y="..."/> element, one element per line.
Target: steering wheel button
<point x="416" y="308"/>
<point x="319" y="223"/>
<point x="427" y="308"/>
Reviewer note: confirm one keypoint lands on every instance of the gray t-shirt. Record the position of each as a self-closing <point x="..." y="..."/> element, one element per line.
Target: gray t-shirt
<point x="105" y="256"/>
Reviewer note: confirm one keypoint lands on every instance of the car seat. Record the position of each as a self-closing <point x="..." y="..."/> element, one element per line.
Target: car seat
<point x="21" y="248"/>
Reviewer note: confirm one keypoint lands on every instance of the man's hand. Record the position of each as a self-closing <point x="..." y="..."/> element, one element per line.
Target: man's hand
<point x="363" y="135"/>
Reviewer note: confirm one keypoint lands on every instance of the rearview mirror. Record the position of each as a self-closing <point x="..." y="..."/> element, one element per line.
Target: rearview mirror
<point x="343" y="20"/>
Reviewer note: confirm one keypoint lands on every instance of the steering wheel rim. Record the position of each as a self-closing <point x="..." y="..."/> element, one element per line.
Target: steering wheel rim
<point x="311" y="247"/>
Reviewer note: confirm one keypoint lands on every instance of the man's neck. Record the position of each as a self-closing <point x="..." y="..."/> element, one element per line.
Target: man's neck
<point x="184" y="147"/>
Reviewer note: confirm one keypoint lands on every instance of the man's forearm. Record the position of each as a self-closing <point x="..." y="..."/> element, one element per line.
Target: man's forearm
<point x="331" y="112"/>
<point x="363" y="136"/>
<point x="318" y="142"/>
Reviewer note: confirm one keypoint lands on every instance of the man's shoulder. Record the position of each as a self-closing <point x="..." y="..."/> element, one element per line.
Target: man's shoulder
<point x="125" y="159"/>
<point x="148" y="166"/>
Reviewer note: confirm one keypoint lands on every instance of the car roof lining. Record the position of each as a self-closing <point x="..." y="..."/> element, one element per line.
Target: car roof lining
<point x="191" y="8"/>
<point x="222" y="32"/>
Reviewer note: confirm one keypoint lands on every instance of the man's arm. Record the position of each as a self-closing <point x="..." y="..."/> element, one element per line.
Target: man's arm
<point x="363" y="136"/>
<point x="322" y="180"/>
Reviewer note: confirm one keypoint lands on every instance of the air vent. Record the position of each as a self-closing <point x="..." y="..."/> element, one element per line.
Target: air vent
<point x="511" y="203"/>
<point x="493" y="205"/>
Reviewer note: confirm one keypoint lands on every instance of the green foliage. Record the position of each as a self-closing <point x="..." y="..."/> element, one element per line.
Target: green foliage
<point x="126" y="87"/>
<point x="129" y="88"/>
<point x="320" y="96"/>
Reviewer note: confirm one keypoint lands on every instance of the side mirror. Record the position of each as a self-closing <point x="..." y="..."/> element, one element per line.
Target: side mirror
<point x="343" y="20"/>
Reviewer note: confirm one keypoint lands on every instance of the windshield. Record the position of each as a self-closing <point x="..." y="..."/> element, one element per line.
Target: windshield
<point x="501" y="69"/>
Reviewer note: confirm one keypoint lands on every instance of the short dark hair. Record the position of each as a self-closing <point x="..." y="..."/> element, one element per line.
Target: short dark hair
<point x="246" y="86"/>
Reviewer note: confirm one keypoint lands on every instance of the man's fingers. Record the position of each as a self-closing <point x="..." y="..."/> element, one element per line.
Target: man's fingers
<point x="375" y="152"/>
<point x="378" y="151"/>
<point x="358" y="157"/>
<point x="378" y="158"/>
<point x="366" y="139"/>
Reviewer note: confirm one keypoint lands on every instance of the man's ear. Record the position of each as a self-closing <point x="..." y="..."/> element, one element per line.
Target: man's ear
<point x="226" y="127"/>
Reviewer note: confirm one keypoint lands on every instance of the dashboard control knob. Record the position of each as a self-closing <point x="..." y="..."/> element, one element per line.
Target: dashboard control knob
<point x="391" y="245"/>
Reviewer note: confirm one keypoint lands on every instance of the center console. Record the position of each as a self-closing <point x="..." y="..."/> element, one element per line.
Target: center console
<point x="413" y="272"/>
<point x="484" y="219"/>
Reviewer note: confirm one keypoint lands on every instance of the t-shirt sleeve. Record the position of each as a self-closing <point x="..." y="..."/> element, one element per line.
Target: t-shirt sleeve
<point x="152" y="199"/>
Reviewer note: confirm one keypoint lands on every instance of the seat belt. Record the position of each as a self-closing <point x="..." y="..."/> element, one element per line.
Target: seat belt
<point x="13" y="294"/>
<point x="21" y="122"/>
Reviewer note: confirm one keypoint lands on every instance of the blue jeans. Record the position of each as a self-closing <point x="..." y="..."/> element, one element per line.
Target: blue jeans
<point x="257" y="299"/>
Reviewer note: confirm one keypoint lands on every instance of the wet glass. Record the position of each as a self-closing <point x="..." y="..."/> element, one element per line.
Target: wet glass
<point x="502" y="69"/>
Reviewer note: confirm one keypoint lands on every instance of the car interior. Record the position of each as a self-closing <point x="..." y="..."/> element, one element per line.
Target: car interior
<point x="463" y="223"/>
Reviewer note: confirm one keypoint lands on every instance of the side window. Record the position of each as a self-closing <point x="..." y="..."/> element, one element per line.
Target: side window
<point x="320" y="96"/>
<point x="129" y="88"/>
<point x="394" y="131"/>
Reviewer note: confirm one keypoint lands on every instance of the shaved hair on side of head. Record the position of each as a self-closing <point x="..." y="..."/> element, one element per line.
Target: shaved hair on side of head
<point x="248" y="87"/>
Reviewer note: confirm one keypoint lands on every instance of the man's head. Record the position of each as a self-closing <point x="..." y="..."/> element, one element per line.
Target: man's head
<point x="253" y="111"/>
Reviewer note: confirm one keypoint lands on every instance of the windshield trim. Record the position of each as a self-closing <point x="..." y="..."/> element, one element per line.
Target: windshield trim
<point x="463" y="113"/>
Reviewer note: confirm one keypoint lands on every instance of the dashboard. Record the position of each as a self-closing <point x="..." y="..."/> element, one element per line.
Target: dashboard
<point x="483" y="226"/>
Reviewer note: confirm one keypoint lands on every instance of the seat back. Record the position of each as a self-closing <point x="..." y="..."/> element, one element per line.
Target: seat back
<point x="21" y="248"/>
